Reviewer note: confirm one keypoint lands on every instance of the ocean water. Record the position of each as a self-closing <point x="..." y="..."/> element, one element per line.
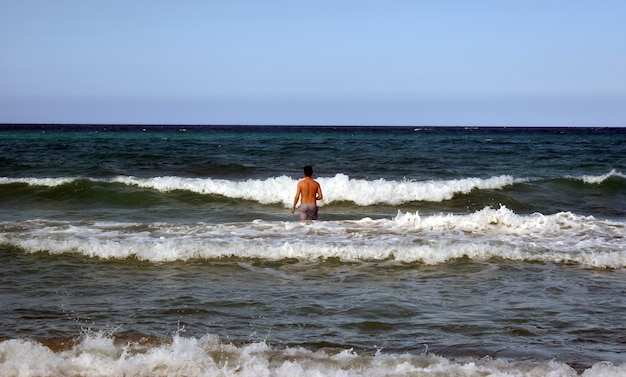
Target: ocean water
<point x="171" y="251"/>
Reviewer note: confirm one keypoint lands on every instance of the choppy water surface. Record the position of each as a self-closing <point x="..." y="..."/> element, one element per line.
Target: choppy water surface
<point x="171" y="251"/>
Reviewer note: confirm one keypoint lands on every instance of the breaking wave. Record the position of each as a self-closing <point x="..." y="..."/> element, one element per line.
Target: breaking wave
<point x="101" y="355"/>
<point x="489" y="233"/>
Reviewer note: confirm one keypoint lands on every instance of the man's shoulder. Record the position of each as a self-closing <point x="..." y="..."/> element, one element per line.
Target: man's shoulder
<point x="308" y="182"/>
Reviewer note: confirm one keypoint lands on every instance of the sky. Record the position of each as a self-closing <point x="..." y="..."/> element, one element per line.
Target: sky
<point x="396" y="62"/>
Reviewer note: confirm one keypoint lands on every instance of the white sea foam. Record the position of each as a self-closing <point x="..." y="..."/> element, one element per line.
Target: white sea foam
<point x="100" y="355"/>
<point x="281" y="189"/>
<point x="560" y="238"/>
<point x="48" y="182"/>
<point x="596" y="179"/>
<point x="338" y="188"/>
<point x="364" y="192"/>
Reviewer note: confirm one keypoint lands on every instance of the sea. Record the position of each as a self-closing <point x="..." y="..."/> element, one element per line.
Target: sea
<point x="130" y="250"/>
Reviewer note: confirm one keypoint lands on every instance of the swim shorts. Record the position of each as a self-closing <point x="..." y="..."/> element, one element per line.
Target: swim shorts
<point x="308" y="211"/>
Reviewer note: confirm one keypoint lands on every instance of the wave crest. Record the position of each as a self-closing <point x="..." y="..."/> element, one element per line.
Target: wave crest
<point x="280" y="190"/>
<point x="597" y="179"/>
<point x="100" y="355"/>
<point x="408" y="238"/>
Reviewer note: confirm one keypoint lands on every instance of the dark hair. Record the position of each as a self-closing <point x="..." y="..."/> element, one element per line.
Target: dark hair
<point x="308" y="170"/>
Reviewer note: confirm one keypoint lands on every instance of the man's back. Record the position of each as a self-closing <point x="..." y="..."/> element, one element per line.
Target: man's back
<point x="310" y="191"/>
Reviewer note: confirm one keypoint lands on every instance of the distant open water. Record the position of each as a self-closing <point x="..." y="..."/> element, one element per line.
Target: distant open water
<point x="170" y="250"/>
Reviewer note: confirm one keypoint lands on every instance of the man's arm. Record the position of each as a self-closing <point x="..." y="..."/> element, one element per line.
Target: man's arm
<point x="295" y="200"/>
<point x="318" y="194"/>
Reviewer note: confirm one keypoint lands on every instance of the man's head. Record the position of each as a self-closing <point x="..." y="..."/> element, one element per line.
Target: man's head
<point x="308" y="171"/>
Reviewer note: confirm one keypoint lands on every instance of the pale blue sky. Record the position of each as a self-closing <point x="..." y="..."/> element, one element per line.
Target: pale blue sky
<point x="446" y="62"/>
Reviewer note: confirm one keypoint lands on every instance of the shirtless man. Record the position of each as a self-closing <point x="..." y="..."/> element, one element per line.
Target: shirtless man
<point x="309" y="191"/>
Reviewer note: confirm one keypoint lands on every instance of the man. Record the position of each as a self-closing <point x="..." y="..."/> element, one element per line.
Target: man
<point x="308" y="192"/>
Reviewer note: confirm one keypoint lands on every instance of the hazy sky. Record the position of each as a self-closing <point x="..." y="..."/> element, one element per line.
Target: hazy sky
<point x="410" y="62"/>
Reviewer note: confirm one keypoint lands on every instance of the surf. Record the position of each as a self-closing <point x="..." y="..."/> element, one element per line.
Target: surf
<point x="340" y="188"/>
<point x="280" y="190"/>
<point x="99" y="354"/>
<point x="407" y="238"/>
